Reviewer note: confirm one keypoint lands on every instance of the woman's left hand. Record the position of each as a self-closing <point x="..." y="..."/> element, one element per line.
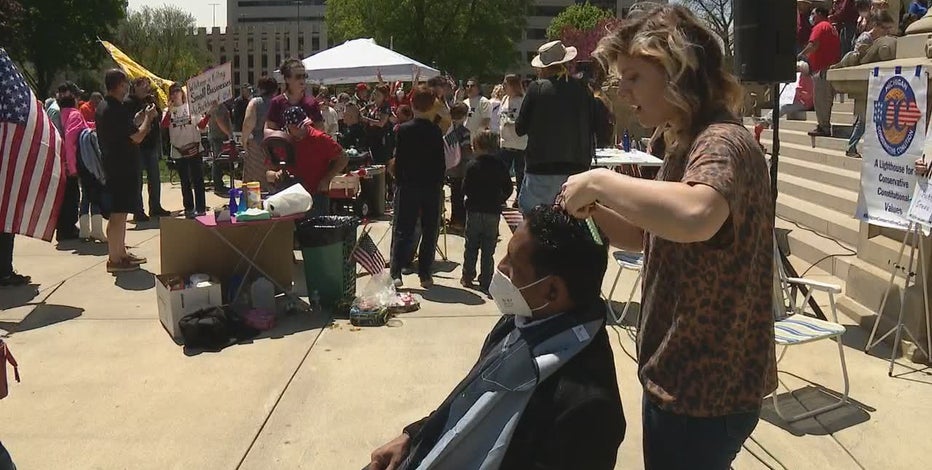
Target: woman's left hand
<point x="581" y="192"/>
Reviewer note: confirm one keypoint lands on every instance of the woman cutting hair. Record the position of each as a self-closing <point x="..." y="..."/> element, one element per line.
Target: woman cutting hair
<point x="705" y="339"/>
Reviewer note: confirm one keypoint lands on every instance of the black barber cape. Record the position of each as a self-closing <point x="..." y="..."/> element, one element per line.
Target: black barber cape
<point x="574" y="418"/>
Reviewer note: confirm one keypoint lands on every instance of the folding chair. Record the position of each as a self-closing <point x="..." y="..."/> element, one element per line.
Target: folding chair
<point x="625" y="260"/>
<point x="792" y="326"/>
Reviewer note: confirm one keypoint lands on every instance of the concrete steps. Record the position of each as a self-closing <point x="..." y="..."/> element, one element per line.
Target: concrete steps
<point x="825" y="195"/>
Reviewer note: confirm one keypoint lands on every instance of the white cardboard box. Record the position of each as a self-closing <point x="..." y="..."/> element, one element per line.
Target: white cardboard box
<point x="173" y="305"/>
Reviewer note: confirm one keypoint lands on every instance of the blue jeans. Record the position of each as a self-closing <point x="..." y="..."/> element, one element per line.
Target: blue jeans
<point x="680" y="442"/>
<point x="540" y="189"/>
<point x="481" y="234"/>
<point x="856" y="134"/>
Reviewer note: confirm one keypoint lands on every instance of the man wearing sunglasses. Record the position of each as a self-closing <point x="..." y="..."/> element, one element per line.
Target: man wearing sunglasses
<point x="295" y="86"/>
<point x="480" y="108"/>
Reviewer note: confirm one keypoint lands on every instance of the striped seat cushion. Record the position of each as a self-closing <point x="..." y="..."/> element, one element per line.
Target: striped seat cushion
<point x="629" y="259"/>
<point x="798" y="329"/>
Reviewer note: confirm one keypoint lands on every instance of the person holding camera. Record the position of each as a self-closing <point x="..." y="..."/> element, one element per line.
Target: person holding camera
<point x="120" y="132"/>
<point x="185" y="141"/>
<point x="149" y="149"/>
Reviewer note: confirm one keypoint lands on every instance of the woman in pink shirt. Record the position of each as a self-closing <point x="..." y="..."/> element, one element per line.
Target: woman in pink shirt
<point x="90" y="221"/>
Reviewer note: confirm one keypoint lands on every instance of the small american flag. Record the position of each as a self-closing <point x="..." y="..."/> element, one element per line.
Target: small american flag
<point x="368" y="256"/>
<point x="513" y="218"/>
<point x="32" y="176"/>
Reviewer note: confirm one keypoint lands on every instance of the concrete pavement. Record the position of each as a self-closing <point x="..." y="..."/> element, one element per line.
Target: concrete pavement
<point x="104" y="387"/>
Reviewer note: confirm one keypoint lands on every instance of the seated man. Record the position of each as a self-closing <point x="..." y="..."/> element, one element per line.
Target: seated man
<point x="543" y="393"/>
<point x="317" y="159"/>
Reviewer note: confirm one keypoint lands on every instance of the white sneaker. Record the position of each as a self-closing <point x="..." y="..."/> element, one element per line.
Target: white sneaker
<point x="398" y="283"/>
<point x="97" y="228"/>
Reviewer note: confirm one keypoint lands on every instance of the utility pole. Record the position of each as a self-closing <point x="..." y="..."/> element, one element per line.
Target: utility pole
<point x="214" y="7"/>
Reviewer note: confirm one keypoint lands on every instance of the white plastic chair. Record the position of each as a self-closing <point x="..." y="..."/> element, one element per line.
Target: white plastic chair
<point x="625" y="260"/>
<point x="793" y="327"/>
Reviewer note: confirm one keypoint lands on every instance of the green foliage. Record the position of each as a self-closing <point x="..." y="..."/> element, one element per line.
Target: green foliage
<point x="11" y="13"/>
<point x="580" y="16"/>
<point x="160" y="39"/>
<point x="464" y="37"/>
<point x="54" y="35"/>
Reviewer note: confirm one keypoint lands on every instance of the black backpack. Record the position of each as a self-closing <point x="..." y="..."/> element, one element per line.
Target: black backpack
<point x="213" y="329"/>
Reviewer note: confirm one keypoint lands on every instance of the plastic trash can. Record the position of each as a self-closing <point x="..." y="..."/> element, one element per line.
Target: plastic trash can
<point x="326" y="245"/>
<point x="373" y="190"/>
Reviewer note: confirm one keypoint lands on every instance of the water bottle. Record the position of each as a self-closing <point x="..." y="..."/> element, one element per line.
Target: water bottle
<point x="262" y="293"/>
<point x="626" y="141"/>
<point x="234" y="207"/>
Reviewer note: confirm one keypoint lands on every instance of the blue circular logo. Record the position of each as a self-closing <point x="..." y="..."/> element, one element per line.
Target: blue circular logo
<point x="896" y="116"/>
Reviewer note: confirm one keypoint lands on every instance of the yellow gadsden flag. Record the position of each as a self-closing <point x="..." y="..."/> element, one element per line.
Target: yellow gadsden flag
<point x="134" y="70"/>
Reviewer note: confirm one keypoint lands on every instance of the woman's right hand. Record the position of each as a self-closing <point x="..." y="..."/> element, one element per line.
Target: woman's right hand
<point x="390" y="455"/>
<point x="922" y="168"/>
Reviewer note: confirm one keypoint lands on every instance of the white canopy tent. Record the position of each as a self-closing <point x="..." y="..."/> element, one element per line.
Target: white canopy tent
<point x="361" y="60"/>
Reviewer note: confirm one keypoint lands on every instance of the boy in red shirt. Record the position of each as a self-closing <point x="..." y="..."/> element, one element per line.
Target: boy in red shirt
<point x="318" y="159"/>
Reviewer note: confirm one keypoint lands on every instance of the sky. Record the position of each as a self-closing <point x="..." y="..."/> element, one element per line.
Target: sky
<point x="201" y="9"/>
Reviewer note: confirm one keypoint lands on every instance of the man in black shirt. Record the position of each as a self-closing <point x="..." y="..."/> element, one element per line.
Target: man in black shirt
<point x="239" y="108"/>
<point x="149" y="150"/>
<point x="119" y="133"/>
<point x="419" y="172"/>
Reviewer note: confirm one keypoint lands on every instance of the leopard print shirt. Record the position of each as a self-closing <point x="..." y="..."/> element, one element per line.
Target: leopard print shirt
<point x="706" y="330"/>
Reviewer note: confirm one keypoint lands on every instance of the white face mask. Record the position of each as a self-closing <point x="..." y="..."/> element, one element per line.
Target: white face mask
<point x="508" y="297"/>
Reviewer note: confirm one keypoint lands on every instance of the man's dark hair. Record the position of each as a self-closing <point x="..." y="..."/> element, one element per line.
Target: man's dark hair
<point x="140" y="80"/>
<point x="288" y="65"/>
<point x="422" y="100"/>
<point x="862" y="4"/>
<point x="459" y="111"/>
<point x="821" y="10"/>
<point x="564" y="247"/>
<point x="436" y="81"/>
<point x="315" y="89"/>
<point x="114" y="78"/>
<point x="267" y="85"/>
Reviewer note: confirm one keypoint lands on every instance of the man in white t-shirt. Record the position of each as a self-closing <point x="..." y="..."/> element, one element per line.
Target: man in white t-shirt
<point x="480" y="108"/>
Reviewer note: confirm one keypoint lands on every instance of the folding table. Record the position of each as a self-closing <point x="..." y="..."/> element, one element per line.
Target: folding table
<point x="209" y="222"/>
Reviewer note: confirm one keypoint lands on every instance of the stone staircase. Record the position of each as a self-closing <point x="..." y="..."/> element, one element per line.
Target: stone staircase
<point x="818" y="193"/>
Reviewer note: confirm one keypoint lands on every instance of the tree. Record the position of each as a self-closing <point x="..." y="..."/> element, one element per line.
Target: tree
<point x="160" y="39"/>
<point x="580" y="16"/>
<point x="11" y="13"/>
<point x="719" y="16"/>
<point x="464" y="37"/>
<point x="54" y="35"/>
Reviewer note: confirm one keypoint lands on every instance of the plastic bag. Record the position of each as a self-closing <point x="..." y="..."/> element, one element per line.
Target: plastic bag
<point x="379" y="292"/>
<point x="292" y="200"/>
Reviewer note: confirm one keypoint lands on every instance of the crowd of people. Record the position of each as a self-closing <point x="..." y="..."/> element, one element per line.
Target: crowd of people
<point x="840" y="34"/>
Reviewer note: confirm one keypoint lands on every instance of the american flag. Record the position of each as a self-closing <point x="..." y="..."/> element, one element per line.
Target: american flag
<point x="513" y="218"/>
<point x="32" y="176"/>
<point x="368" y="256"/>
<point x="908" y="114"/>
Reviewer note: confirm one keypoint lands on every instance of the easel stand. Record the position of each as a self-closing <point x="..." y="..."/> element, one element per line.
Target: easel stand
<point x="909" y="279"/>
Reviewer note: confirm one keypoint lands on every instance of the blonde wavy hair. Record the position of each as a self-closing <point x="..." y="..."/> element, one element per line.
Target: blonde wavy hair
<point x="699" y="85"/>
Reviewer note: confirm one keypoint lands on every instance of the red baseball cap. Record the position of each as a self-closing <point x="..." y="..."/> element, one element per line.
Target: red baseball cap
<point x="361" y="86"/>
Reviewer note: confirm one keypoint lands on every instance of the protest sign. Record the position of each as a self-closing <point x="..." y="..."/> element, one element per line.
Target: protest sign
<point x="920" y="209"/>
<point x="209" y="88"/>
<point x="894" y="139"/>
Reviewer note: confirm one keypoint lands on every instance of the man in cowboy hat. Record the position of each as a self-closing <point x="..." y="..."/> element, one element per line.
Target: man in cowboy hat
<point x="556" y="115"/>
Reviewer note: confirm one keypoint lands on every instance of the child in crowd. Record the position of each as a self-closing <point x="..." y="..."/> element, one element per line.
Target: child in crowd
<point x="458" y="143"/>
<point x="353" y="133"/>
<point x="487" y="186"/>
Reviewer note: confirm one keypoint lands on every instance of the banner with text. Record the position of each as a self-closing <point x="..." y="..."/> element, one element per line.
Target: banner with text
<point x="209" y="88"/>
<point x="893" y="141"/>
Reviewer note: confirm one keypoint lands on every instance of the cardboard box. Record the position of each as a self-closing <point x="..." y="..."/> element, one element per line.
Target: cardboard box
<point x="189" y="247"/>
<point x="173" y="305"/>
